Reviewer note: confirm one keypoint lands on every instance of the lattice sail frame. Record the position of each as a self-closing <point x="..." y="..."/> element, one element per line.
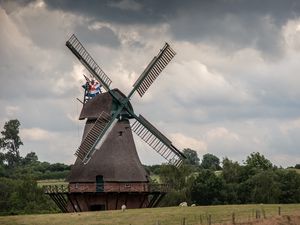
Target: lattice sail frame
<point x="154" y="68"/>
<point x="81" y="53"/>
<point x="155" y="139"/>
<point x="105" y="122"/>
<point x="90" y="141"/>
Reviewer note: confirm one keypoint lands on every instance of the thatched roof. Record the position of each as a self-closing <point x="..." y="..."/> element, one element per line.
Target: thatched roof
<point x="102" y="102"/>
<point x="93" y="107"/>
<point x="116" y="160"/>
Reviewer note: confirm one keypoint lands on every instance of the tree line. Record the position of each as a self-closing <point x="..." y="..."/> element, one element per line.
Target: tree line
<point x="257" y="180"/>
<point x="19" y="191"/>
<point x="210" y="181"/>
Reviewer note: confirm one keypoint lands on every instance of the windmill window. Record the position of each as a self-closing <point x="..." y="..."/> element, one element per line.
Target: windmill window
<point x="76" y="185"/>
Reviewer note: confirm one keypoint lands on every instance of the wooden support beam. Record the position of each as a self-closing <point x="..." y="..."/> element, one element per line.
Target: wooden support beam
<point x="117" y="200"/>
<point x="143" y="201"/>
<point x="70" y="200"/>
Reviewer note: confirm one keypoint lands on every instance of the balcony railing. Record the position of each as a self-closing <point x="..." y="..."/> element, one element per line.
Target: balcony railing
<point x="48" y="189"/>
<point x="106" y="187"/>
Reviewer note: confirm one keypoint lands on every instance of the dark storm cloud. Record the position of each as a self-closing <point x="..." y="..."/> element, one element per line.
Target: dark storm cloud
<point x="161" y="11"/>
<point x="148" y="12"/>
<point x="231" y="24"/>
<point x="103" y="36"/>
<point x="237" y="98"/>
<point x="11" y="6"/>
<point x="236" y="24"/>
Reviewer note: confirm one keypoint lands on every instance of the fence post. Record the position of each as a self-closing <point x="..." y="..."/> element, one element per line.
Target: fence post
<point x="233" y="218"/>
<point x="263" y="212"/>
<point x="257" y="214"/>
<point x="183" y="221"/>
<point x="201" y="222"/>
<point x="209" y="219"/>
<point x="279" y="211"/>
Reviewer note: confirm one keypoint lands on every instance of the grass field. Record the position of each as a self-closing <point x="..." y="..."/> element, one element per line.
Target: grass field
<point x="296" y="170"/>
<point x="162" y="216"/>
<point x="51" y="182"/>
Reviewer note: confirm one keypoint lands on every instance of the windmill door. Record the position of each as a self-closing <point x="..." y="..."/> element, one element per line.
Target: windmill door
<point x="99" y="184"/>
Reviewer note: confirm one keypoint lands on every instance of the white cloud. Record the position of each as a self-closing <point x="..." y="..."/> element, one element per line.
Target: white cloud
<point x="291" y="33"/>
<point x="290" y="126"/>
<point x="183" y="141"/>
<point x="220" y="133"/>
<point x="200" y="85"/>
<point x="12" y="110"/>
<point x="36" y="134"/>
<point x="210" y="99"/>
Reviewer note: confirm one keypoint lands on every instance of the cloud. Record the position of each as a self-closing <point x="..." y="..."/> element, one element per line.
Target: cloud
<point x="24" y="63"/>
<point x="232" y="25"/>
<point x="233" y="87"/>
<point x="291" y="32"/>
<point x="183" y="141"/>
<point x="36" y="134"/>
<point x="11" y="6"/>
<point x="290" y="126"/>
<point x="206" y="87"/>
<point x="50" y="146"/>
<point x="220" y="133"/>
<point x="12" y="110"/>
<point x="95" y="34"/>
<point x="129" y="5"/>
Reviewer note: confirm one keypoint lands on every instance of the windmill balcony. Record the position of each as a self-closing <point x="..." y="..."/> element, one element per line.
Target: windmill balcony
<point x="106" y="187"/>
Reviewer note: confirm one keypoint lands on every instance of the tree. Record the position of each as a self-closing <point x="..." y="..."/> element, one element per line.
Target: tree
<point x="258" y="161"/>
<point x="10" y="142"/>
<point x="31" y="157"/>
<point x="179" y="181"/>
<point x="175" y="177"/>
<point x="264" y="187"/>
<point x="207" y="188"/>
<point x="192" y="157"/>
<point x="297" y="166"/>
<point x="290" y="186"/>
<point x="231" y="171"/>
<point x="211" y="162"/>
<point x="20" y="196"/>
<point x="152" y="169"/>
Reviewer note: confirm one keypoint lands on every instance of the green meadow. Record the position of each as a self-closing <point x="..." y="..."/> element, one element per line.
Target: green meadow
<point x="168" y="215"/>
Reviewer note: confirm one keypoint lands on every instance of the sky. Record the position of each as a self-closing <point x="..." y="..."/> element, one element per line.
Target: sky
<point x="232" y="88"/>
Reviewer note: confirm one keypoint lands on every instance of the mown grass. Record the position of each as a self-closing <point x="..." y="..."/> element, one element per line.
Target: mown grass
<point x="294" y="169"/>
<point x="52" y="182"/>
<point x="162" y="216"/>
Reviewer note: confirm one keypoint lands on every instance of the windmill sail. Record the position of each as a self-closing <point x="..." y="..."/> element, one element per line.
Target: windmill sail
<point x="160" y="143"/>
<point x="88" y="145"/>
<point x="153" y="70"/>
<point x="81" y="53"/>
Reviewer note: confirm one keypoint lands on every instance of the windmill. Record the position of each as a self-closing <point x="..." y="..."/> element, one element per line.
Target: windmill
<point x="107" y="172"/>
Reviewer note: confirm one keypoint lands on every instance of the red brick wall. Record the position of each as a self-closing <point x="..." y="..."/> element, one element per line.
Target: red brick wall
<point x="109" y="187"/>
<point x="82" y="187"/>
<point x="125" y="187"/>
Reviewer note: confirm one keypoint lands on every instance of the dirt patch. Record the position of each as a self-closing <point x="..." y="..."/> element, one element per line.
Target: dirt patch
<point x="282" y="220"/>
